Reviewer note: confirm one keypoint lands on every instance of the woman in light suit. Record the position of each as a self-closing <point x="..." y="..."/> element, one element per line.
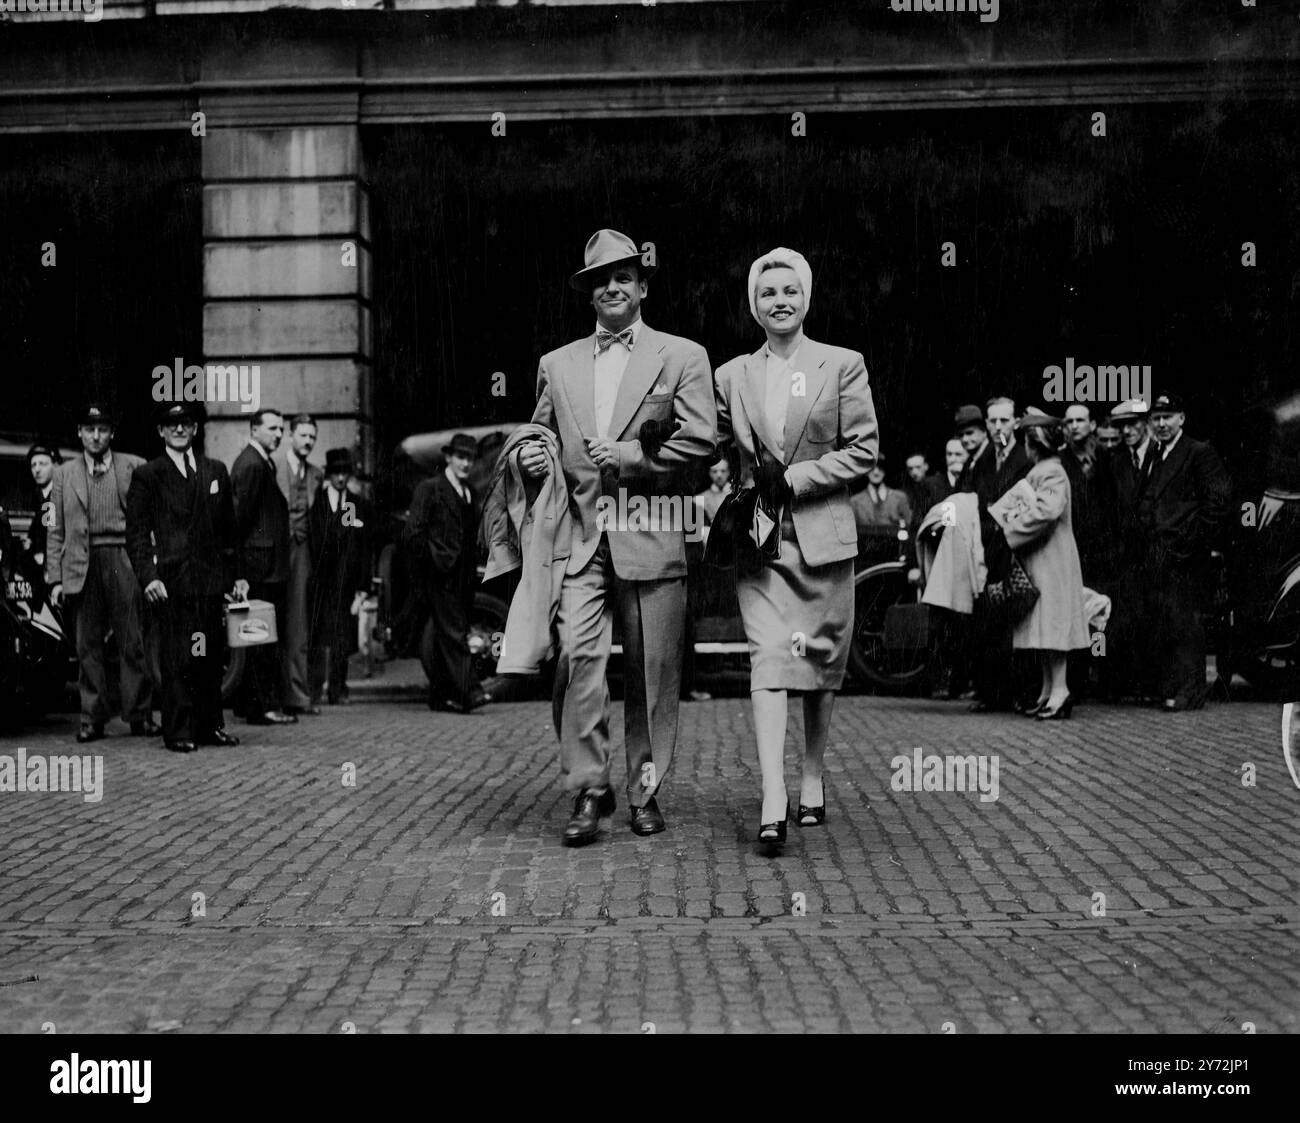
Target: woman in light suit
<point x="804" y="425"/>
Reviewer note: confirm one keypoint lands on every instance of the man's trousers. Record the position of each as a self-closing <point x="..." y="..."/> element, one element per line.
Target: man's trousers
<point x="111" y="598"/>
<point x="262" y="678"/>
<point x="191" y="666"/>
<point x="295" y="634"/>
<point x="652" y="620"/>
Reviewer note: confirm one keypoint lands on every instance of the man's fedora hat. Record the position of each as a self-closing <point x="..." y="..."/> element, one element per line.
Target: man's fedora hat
<point x="967" y="416"/>
<point x="338" y="460"/>
<point x="461" y="444"/>
<point x="1035" y="418"/>
<point x="95" y="414"/>
<point x="168" y="412"/>
<point x="1134" y="409"/>
<point x="1167" y="403"/>
<point x="605" y="249"/>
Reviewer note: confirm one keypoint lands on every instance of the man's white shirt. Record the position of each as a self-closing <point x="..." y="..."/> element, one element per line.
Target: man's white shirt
<point x="609" y="367"/>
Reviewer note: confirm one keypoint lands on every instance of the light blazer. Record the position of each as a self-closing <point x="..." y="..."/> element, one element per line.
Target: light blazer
<point x="67" y="542"/>
<point x="315" y="477"/>
<point x="831" y="439"/>
<point x="666" y="380"/>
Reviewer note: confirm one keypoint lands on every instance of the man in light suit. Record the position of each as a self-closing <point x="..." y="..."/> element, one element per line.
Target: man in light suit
<point x="299" y="480"/>
<point x="86" y="562"/>
<point x="633" y="410"/>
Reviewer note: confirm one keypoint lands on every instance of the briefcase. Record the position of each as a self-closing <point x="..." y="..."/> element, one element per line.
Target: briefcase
<point x="250" y="623"/>
<point x="907" y="627"/>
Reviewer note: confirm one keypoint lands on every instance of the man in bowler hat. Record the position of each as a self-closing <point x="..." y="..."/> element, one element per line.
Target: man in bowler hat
<point x="180" y="535"/>
<point x="339" y="528"/>
<point x="442" y="535"/>
<point x="633" y="409"/>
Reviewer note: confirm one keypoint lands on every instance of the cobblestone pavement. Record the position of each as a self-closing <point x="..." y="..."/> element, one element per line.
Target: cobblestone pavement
<point x="434" y="895"/>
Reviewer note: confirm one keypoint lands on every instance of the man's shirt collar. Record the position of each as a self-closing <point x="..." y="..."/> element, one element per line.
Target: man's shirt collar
<point x="181" y="459"/>
<point x="266" y="456"/>
<point x="1165" y="450"/>
<point x="106" y="463"/>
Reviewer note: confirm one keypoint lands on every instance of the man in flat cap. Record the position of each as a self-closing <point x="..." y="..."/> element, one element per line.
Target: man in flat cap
<point x="43" y="461"/>
<point x="86" y="562"/>
<point x="1181" y="516"/>
<point x="442" y="536"/>
<point x="1129" y="667"/>
<point x="634" y="412"/>
<point x="180" y="535"/>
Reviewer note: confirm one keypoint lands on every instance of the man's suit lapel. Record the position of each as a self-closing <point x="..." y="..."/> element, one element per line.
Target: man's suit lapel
<point x="578" y="384"/>
<point x="643" y="367"/>
<point x="1164" y="471"/>
<point x="753" y="396"/>
<point x="811" y="363"/>
<point x="80" y="484"/>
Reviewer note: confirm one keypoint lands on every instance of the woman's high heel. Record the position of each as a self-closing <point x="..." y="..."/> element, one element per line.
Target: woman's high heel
<point x="816" y="816"/>
<point x="1031" y="709"/>
<point x="1059" y="713"/>
<point x="774" y="833"/>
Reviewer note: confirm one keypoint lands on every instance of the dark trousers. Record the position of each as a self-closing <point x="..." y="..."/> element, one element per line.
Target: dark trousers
<point x="110" y="599"/>
<point x="1173" y="595"/>
<point x="333" y="629"/>
<point x="192" y="642"/>
<point x="950" y="653"/>
<point x="443" y="650"/>
<point x="262" y="681"/>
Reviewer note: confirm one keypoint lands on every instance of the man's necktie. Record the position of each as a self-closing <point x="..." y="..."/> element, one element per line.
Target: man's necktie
<point x="1137" y="464"/>
<point x="605" y="339"/>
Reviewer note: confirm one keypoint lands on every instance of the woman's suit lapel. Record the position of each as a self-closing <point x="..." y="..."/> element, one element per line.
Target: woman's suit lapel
<point x="811" y="363"/>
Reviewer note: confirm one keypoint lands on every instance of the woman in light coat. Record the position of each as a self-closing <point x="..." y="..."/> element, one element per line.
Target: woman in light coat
<point x="805" y="429"/>
<point x="1041" y="533"/>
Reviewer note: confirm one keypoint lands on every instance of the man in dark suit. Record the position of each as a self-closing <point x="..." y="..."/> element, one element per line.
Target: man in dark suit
<point x="262" y="526"/>
<point x="340" y="525"/>
<point x="180" y="536"/>
<point x="442" y="536"/>
<point x="1181" y="512"/>
<point x="991" y="472"/>
<point x="86" y="561"/>
<point x="1129" y="667"/>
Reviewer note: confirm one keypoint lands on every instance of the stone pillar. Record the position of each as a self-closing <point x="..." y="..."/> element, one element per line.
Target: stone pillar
<point x="287" y="281"/>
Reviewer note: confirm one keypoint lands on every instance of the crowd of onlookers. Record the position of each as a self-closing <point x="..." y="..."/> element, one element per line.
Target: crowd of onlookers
<point x="146" y="552"/>
<point x="1145" y="506"/>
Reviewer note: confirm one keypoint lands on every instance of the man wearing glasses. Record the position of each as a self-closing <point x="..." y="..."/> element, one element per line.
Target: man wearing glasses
<point x="86" y="562"/>
<point x="180" y="535"/>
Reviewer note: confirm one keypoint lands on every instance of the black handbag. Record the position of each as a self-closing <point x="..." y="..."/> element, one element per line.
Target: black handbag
<point x="1008" y="601"/>
<point x="730" y="544"/>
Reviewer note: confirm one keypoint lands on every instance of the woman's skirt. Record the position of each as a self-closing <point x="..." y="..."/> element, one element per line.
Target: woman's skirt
<point x="798" y="620"/>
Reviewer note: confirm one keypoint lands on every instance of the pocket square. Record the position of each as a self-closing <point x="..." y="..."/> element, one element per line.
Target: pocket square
<point x="662" y="388"/>
<point x="214" y="488"/>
